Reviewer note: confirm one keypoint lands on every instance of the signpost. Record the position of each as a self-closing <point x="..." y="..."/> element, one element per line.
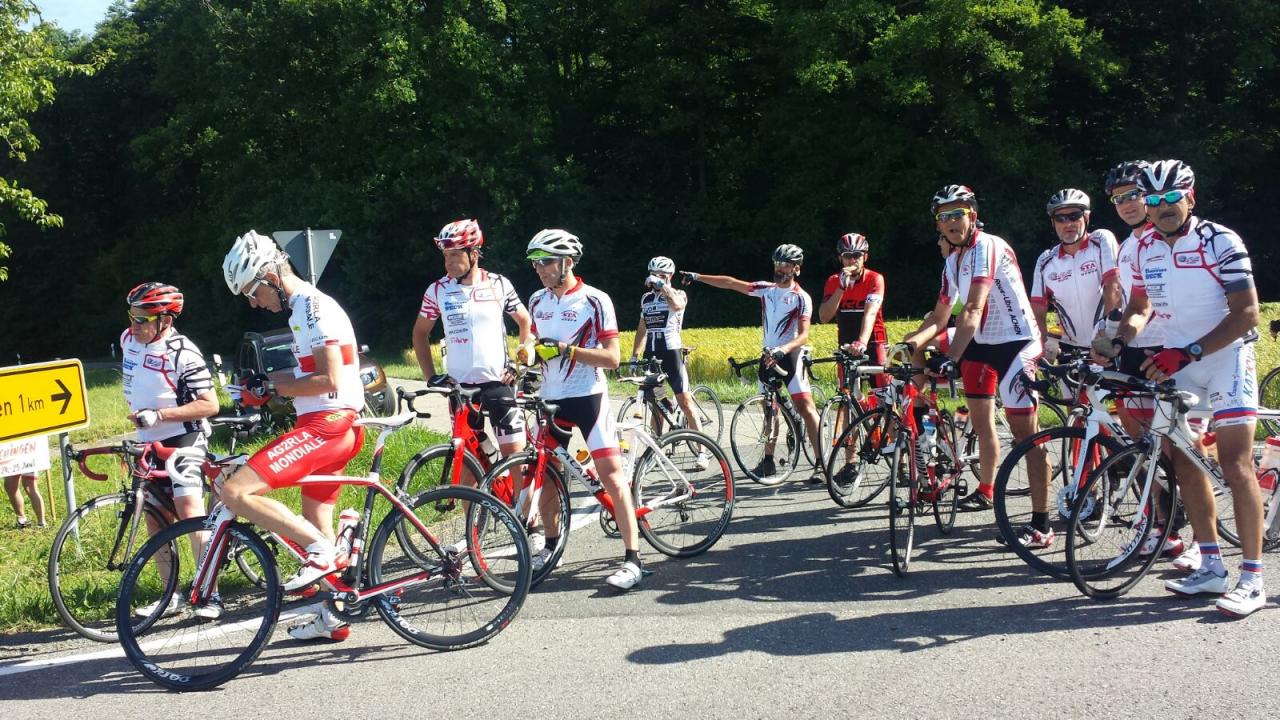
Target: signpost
<point x="308" y="249"/>
<point x="42" y="399"/>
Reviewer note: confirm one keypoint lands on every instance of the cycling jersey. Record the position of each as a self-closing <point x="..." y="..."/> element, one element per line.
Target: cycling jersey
<point x="164" y="373"/>
<point x="584" y="317"/>
<point x="1152" y="335"/>
<point x="853" y="305"/>
<point x="781" y="310"/>
<point x="989" y="259"/>
<point x="473" y="324"/>
<point x="1071" y="284"/>
<point x="1190" y="281"/>
<point x="317" y="321"/>
<point x="661" y="323"/>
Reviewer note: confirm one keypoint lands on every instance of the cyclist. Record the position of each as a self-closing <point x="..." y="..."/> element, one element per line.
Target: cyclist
<point x="169" y="390"/>
<point x="328" y="396"/>
<point x="1077" y="278"/>
<point x="473" y="302"/>
<point x="1198" y="274"/>
<point x="658" y="336"/>
<point x="996" y="346"/>
<point x="577" y="341"/>
<point x="785" y="312"/>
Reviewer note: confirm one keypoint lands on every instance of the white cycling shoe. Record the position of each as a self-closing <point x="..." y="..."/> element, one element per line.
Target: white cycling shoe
<point x="626" y="577"/>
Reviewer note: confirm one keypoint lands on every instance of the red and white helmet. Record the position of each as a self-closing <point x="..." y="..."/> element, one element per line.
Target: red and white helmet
<point x="852" y="243"/>
<point x="460" y="234"/>
<point x="156" y="298"/>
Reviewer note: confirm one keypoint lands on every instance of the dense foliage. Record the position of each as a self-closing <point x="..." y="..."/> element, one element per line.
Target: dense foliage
<point x="707" y="131"/>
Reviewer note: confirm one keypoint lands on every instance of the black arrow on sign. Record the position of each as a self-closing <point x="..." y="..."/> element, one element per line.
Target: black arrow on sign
<point x="64" y="396"/>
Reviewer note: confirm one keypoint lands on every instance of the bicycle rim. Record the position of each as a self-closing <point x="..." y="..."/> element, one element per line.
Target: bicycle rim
<point x="945" y="504"/>
<point x="431" y="468"/>
<point x="902" y="515"/>
<point x="499" y="483"/>
<point x="710" y="412"/>
<point x="756" y="421"/>
<point x="858" y="468"/>
<point x="689" y="507"/>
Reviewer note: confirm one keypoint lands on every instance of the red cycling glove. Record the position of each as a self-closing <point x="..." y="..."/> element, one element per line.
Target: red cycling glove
<point x="1170" y="360"/>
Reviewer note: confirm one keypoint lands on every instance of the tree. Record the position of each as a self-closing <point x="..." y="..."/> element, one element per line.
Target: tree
<point x="30" y="60"/>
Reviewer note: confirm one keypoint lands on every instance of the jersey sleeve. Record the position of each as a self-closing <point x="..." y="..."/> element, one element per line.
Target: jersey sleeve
<point x="806" y="305"/>
<point x="430" y="303"/>
<point x="875" y="294"/>
<point x="190" y="367"/>
<point x="1109" y="251"/>
<point x="1235" y="269"/>
<point x="1139" y="286"/>
<point x="1039" y="292"/>
<point x="606" y="321"/>
<point x="758" y="289"/>
<point x="982" y="260"/>
<point x="831" y="287"/>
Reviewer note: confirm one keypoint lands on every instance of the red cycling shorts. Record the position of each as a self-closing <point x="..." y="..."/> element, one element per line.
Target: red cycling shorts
<point x="322" y="443"/>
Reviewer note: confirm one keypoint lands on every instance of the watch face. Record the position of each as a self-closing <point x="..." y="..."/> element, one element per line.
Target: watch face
<point x="1195" y="350"/>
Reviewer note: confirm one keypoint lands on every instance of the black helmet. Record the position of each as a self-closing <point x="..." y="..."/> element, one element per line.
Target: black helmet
<point x="1126" y="173"/>
<point x="789" y="253"/>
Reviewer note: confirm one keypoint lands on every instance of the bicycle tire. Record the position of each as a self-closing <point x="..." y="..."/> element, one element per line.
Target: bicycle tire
<point x="748" y="435"/>
<point x="251" y="612"/>
<point x="83" y="585"/>
<point x="498" y="483"/>
<point x="427" y="470"/>
<point x="857" y="482"/>
<point x="827" y="434"/>
<point x="1226" y="515"/>
<point x="710" y="412"/>
<point x="1012" y="497"/>
<point x="1269" y="397"/>
<point x="695" y="523"/>
<point x="903" y="503"/>
<point x="447" y="595"/>
<point x="1106" y="564"/>
<point x="946" y="503"/>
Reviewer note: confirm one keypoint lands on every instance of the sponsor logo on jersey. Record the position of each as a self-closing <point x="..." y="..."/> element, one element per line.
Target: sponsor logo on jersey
<point x="458" y="341"/>
<point x="1188" y="259"/>
<point x="456" y="319"/>
<point x="454" y="306"/>
<point x="483" y="295"/>
<point x="1153" y="273"/>
<point x="153" y="362"/>
<point x="1155" y="288"/>
<point x="1060" y="276"/>
<point x="129" y="365"/>
<point x="1089" y="266"/>
<point x="543" y="315"/>
<point x="569" y="315"/>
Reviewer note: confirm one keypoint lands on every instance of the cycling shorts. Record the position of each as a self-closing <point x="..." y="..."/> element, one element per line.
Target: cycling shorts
<point x="1004" y="368"/>
<point x="499" y="401"/>
<point x="797" y="380"/>
<point x="190" y="479"/>
<point x="673" y="365"/>
<point x="321" y="443"/>
<point x="1227" y="383"/>
<point x="879" y="355"/>
<point x="591" y="415"/>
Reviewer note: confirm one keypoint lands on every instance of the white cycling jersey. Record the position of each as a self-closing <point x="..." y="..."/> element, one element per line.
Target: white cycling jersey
<point x="1152" y="335"/>
<point x="163" y="373"/>
<point x="318" y="321"/>
<point x="661" y="323"/>
<point x="989" y="259"/>
<point x="473" y="324"/>
<point x="781" y="310"/>
<point x="1071" y="284"/>
<point x="583" y="317"/>
<point x="1190" y="281"/>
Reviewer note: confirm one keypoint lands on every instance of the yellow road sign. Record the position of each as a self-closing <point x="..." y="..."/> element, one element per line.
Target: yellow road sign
<point x="42" y="398"/>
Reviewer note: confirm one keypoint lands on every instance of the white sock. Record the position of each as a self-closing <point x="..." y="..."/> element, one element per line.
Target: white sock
<point x="321" y="547"/>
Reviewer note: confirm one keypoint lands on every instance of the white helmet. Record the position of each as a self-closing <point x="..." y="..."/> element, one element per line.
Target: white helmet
<point x="554" y="242"/>
<point x="248" y="259"/>
<point x="662" y="264"/>
<point x="1068" y="197"/>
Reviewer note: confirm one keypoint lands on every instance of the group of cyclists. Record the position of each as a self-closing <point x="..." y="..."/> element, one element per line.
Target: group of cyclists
<point x="1116" y="301"/>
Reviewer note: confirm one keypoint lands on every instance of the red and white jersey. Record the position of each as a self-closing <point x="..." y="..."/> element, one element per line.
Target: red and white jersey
<point x="781" y="310"/>
<point x="583" y="316"/>
<point x="164" y="373"/>
<point x="473" y="324"/>
<point x="1190" y="281"/>
<point x="988" y="259"/>
<point x="851" y="315"/>
<point x="1152" y="334"/>
<point x="317" y="321"/>
<point x="1071" y="284"/>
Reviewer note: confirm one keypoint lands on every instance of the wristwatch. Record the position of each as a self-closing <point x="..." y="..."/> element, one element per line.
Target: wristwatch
<point x="1195" y="350"/>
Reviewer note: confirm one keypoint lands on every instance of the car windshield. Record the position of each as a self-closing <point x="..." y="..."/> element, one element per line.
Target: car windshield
<point x="278" y="356"/>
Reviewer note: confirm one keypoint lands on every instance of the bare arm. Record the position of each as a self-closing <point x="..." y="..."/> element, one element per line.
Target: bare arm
<point x="1242" y="316"/>
<point x="934" y="323"/>
<point x="970" y="317"/>
<point x="1111" y="295"/>
<point x="868" y="322"/>
<point x="524" y="325"/>
<point x="1041" y="311"/>
<point x="642" y="339"/>
<point x="830" y="305"/>
<point x="422" y="343"/>
<point x="726" y="282"/>
<point x="605" y="356"/>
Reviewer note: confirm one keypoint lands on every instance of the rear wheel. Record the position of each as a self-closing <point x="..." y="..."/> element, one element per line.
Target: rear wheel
<point x="687" y="507"/>
<point x="903" y="502"/>
<point x="436" y="466"/>
<point x="1269" y="397"/>
<point x="861" y="459"/>
<point x="709" y="411"/>
<point x="511" y="482"/>
<point x="944" y="504"/>
<point x="758" y="421"/>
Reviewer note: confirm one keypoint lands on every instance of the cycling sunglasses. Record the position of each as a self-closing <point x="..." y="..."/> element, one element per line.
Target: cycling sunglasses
<point x="253" y="288"/>
<point x="1122" y="198"/>
<point x="143" y="320"/>
<point x="952" y="215"/>
<point x="1171" y="197"/>
<point x="852" y="255"/>
<point x="1064" y="218"/>
<point x="544" y="262"/>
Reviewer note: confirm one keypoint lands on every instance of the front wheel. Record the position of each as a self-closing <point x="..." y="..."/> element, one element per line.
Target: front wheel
<point x="710" y="413"/>
<point x="511" y="481"/>
<point x="759" y="422"/>
<point x="903" y="502"/>
<point x="948" y="471"/>
<point x="861" y="459"/>
<point x="683" y="493"/>
<point x="447" y="602"/>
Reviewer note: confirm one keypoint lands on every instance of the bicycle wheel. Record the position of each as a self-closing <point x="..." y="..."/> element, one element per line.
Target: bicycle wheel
<point x="1269" y="397"/>
<point x="1116" y="514"/>
<point x="860" y="463"/>
<point x="501" y="483"/>
<point x="758" y="421"/>
<point x="629" y="411"/>
<point x="827" y="418"/>
<point x="687" y="508"/>
<point x="709" y="411"/>
<point x="431" y="468"/>
<point x="903" y="502"/>
<point x="946" y="500"/>
<point x="450" y="602"/>
<point x="87" y="560"/>
<point x="1069" y="463"/>
<point x="182" y="651"/>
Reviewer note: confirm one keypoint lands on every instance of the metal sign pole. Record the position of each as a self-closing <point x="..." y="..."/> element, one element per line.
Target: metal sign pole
<point x="69" y="485"/>
<point x="311" y="259"/>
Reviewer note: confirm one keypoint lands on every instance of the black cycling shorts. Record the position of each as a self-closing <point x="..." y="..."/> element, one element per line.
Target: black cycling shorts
<point x="499" y="401"/>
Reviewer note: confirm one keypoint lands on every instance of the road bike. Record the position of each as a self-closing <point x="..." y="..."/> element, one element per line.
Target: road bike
<point x="465" y="581"/>
<point x="657" y="409"/>
<point x="768" y="420"/>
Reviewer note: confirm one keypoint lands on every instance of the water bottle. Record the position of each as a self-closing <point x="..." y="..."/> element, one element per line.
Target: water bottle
<point x="1269" y="466"/>
<point x="1112" y="326"/>
<point x="347" y="521"/>
<point x="924" y="448"/>
<point x="588" y="467"/>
